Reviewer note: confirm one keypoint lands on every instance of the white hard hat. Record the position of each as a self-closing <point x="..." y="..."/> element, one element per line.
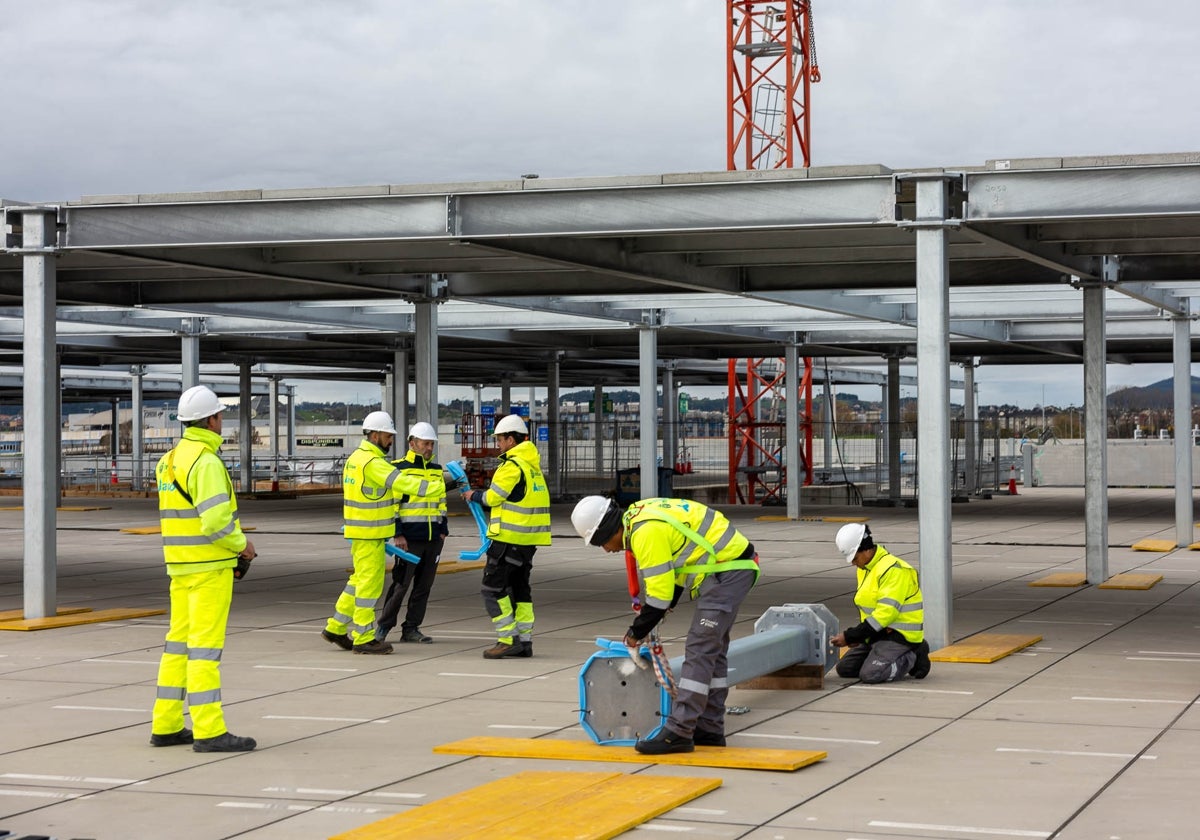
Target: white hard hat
<point x="198" y="402"/>
<point x="423" y="431"/>
<point x="596" y="519"/>
<point x="512" y="424"/>
<point x="849" y="538"/>
<point x="379" y="421"/>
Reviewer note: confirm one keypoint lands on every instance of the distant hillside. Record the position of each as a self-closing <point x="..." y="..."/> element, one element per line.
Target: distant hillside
<point x="1158" y="395"/>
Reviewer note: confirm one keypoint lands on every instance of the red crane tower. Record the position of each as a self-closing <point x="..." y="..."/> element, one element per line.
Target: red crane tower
<point x="771" y="59"/>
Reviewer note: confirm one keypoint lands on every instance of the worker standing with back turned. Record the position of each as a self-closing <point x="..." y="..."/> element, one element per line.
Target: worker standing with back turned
<point x="371" y="488"/>
<point x="205" y="551"/>
<point x="679" y="546"/>
<point x="519" y="522"/>
<point x="889" y="642"/>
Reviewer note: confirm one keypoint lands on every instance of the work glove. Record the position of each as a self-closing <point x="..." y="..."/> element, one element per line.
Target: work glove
<point x="634" y="648"/>
<point x="242" y="567"/>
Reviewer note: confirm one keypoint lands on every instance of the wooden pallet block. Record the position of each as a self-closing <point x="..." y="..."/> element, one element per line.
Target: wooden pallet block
<point x="541" y="805"/>
<point x="1131" y="580"/>
<point x="745" y="758"/>
<point x="984" y="648"/>
<point x="1061" y="579"/>
<point x="791" y="678"/>
<point x="51" y="622"/>
<point x="453" y="567"/>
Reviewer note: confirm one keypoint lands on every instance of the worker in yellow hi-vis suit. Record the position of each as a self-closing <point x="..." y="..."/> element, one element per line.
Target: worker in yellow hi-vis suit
<point x="205" y="550"/>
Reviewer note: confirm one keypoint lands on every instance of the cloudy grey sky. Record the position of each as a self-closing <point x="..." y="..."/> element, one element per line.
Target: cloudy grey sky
<point x="125" y="96"/>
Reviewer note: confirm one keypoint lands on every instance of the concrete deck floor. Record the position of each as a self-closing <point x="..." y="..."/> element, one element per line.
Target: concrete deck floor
<point x="1092" y="733"/>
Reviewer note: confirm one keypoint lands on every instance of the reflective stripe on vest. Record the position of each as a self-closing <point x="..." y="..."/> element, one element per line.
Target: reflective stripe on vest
<point x="184" y="540"/>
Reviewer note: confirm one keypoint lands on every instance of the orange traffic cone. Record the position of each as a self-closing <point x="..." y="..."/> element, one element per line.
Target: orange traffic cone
<point x="113" y="478"/>
<point x="1012" y="479"/>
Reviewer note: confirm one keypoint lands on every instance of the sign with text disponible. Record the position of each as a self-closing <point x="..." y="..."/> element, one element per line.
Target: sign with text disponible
<point x="320" y="441"/>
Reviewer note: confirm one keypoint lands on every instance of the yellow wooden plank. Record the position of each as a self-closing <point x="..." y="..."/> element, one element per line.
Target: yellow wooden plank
<point x="1194" y="546"/>
<point x="474" y="811"/>
<point x="593" y="817"/>
<point x="549" y="748"/>
<point x="1131" y="580"/>
<point x="51" y="622"/>
<point x="540" y="805"/>
<point x="1155" y="545"/>
<point x="774" y="517"/>
<point x="1061" y="579"/>
<point x="453" y="567"/>
<point x="845" y="519"/>
<point x="143" y="529"/>
<point x="984" y="648"/>
<point x="79" y="508"/>
<point x="17" y="615"/>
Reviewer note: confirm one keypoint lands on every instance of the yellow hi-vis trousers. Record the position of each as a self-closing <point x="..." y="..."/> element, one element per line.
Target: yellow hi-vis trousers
<point x="354" y="612"/>
<point x="191" y="660"/>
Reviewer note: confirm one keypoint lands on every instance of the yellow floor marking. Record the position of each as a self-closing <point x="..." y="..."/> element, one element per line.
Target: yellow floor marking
<point x="17" y="615"/>
<point x="736" y="757"/>
<point x="1154" y="545"/>
<point x="1194" y="546"/>
<point x="71" y="620"/>
<point x="1061" y="579"/>
<point x="1130" y="580"/>
<point x="541" y="805"/>
<point x="984" y="648"/>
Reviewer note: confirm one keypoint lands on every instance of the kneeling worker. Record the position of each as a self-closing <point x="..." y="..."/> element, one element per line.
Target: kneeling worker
<point x="889" y="642"/>
<point x="678" y="544"/>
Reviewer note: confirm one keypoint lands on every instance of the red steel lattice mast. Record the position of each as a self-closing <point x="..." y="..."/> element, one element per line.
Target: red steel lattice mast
<point x="771" y="60"/>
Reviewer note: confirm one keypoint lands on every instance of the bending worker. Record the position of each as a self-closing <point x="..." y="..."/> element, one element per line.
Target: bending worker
<point x="205" y="551"/>
<point x="889" y="642"/>
<point x="519" y="523"/>
<point x="677" y="546"/>
<point x="421" y="529"/>
<point x="371" y="488"/>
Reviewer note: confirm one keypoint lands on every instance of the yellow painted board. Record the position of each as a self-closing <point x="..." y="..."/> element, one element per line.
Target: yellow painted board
<point x="1061" y="579"/>
<point x="549" y="748"/>
<point x="450" y="567"/>
<point x="17" y="615"/>
<point x="1131" y="580"/>
<point x="157" y="529"/>
<point x="51" y="622"/>
<point x="779" y="518"/>
<point x="984" y="648"/>
<point x="584" y="806"/>
<point x="1194" y="546"/>
<point x="1154" y="545"/>
<point x="78" y="508"/>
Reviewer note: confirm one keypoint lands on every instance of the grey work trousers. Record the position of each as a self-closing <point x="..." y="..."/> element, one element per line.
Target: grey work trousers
<point x="882" y="661"/>
<point x="703" y="680"/>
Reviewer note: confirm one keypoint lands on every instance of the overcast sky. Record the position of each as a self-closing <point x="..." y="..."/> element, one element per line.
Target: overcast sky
<point x="146" y="96"/>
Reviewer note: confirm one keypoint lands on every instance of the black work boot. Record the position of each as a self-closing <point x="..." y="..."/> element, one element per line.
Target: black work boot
<point x="374" y="646"/>
<point x="415" y="635"/>
<point x="227" y="742"/>
<point x="920" y="668"/>
<point x="502" y="651"/>
<point x="171" y="739"/>
<point x="339" y="639"/>
<point x="665" y="742"/>
<point x="704" y="738"/>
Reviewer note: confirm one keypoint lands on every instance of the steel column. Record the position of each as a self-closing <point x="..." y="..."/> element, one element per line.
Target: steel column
<point x="399" y="406"/>
<point x="553" y="429"/>
<point x="426" y="350"/>
<point x="137" y="437"/>
<point x="933" y="407"/>
<point x="245" y="429"/>
<point x="648" y="407"/>
<point x="791" y="429"/>
<point x="598" y="426"/>
<point x="1182" y="350"/>
<point x="895" y="477"/>
<point x="1095" y="456"/>
<point x="40" y="397"/>
<point x="970" y="421"/>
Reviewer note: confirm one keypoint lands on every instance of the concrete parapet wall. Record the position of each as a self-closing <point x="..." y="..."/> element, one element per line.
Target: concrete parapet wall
<point x="1131" y="463"/>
